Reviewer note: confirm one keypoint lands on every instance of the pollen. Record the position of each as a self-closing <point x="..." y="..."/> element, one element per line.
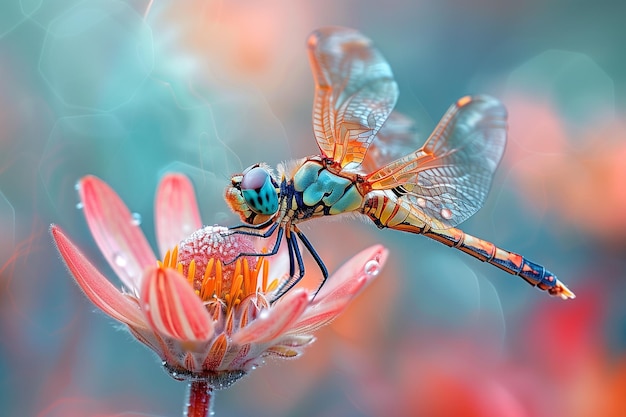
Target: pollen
<point x="211" y="266"/>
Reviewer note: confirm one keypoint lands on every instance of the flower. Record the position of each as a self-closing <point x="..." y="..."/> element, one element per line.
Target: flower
<point x="208" y="317"/>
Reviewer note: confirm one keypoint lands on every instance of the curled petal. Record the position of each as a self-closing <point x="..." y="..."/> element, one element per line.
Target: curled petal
<point x="176" y="211"/>
<point x="296" y="340"/>
<point x="281" y="352"/>
<point x="274" y="321"/>
<point x="361" y="269"/>
<point x="172" y="307"/>
<point x="118" y="236"/>
<point x="95" y="286"/>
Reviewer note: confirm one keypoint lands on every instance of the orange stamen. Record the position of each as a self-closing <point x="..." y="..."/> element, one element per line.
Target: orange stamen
<point x="218" y="278"/>
<point x="208" y="282"/>
<point x="266" y="271"/>
<point x="243" y="283"/>
<point x="246" y="276"/>
<point x="174" y="256"/>
<point x="191" y="273"/>
<point x="273" y="285"/>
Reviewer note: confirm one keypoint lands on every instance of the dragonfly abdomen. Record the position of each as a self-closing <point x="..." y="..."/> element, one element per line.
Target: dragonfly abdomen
<point x="511" y="262"/>
<point x="387" y="213"/>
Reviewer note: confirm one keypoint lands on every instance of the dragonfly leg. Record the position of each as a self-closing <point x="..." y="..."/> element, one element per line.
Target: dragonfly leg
<point x="295" y="256"/>
<point x="318" y="260"/>
<point x="253" y="226"/>
<point x="268" y="233"/>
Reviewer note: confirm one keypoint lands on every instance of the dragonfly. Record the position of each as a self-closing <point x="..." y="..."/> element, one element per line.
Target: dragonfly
<point x="365" y="166"/>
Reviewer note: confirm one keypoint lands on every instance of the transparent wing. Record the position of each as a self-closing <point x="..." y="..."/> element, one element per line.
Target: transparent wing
<point x="396" y="138"/>
<point x="354" y="93"/>
<point x="449" y="177"/>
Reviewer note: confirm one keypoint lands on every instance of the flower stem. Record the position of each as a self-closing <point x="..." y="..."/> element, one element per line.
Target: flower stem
<point x="199" y="399"/>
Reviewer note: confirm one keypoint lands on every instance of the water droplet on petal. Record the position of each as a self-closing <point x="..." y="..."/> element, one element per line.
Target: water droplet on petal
<point x="372" y="267"/>
<point x="120" y="260"/>
<point x="79" y="206"/>
<point x="77" y="185"/>
<point x="264" y="314"/>
<point x="421" y="202"/>
<point x="446" y="213"/>
<point x="136" y="219"/>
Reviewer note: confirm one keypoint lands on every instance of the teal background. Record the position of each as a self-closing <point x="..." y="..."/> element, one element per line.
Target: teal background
<point x="128" y="90"/>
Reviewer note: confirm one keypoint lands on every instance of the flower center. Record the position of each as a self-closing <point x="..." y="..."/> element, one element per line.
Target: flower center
<point x="206" y="260"/>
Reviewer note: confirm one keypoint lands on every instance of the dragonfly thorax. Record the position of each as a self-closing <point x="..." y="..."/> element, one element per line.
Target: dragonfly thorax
<point x="319" y="191"/>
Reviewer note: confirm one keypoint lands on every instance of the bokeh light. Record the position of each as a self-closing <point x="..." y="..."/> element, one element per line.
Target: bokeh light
<point x="131" y="89"/>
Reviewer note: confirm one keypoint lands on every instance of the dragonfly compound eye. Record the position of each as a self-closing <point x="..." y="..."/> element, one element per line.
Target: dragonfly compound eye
<point x="259" y="191"/>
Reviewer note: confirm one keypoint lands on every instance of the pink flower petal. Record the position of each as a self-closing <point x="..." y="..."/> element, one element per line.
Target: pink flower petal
<point x="121" y="241"/>
<point x="321" y="314"/>
<point x="345" y="283"/>
<point x="278" y="319"/>
<point x="173" y="308"/>
<point x="95" y="286"/>
<point x="283" y="352"/>
<point x="296" y="340"/>
<point x="176" y="211"/>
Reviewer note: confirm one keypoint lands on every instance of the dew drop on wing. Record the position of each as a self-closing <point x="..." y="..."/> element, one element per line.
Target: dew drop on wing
<point x="421" y="202"/>
<point x="446" y="213"/>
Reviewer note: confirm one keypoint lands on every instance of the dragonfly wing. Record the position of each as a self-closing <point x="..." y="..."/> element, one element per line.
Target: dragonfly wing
<point x="354" y="93"/>
<point x="449" y="177"/>
<point x="396" y="138"/>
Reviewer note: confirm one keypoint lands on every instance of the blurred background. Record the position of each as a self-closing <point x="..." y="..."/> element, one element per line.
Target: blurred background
<point x="128" y="90"/>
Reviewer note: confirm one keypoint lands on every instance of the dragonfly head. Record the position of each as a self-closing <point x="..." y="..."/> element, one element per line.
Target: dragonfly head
<point x="253" y="194"/>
